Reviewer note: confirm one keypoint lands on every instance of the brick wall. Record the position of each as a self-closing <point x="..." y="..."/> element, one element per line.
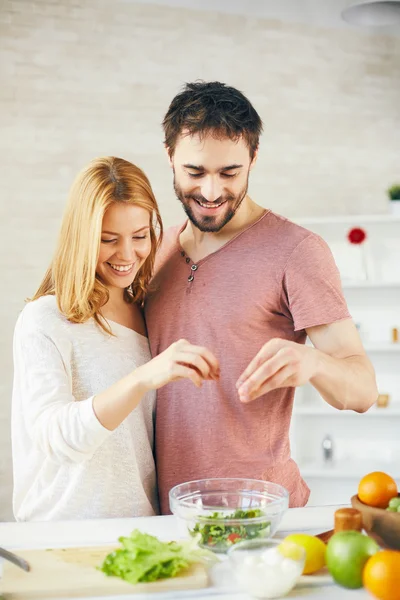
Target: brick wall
<point x="83" y="79"/>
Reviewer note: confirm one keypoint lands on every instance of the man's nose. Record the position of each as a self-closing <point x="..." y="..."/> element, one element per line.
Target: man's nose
<point x="211" y="189"/>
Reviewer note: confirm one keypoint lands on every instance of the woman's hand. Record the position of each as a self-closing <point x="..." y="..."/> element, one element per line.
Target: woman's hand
<point x="181" y="360"/>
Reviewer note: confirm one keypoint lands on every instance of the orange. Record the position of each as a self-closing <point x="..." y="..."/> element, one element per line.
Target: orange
<point x="376" y="489"/>
<point x="381" y="575"/>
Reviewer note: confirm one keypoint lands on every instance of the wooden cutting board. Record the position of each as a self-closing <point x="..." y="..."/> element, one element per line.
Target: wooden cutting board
<point x="71" y="573"/>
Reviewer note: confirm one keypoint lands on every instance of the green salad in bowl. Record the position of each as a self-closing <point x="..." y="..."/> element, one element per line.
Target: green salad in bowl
<point x="223" y="512"/>
<point x="220" y="532"/>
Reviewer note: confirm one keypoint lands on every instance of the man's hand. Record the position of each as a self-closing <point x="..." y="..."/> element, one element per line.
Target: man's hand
<point x="279" y="364"/>
<point x="336" y="366"/>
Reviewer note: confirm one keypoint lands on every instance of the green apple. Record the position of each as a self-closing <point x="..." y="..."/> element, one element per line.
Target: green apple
<point x="346" y="554"/>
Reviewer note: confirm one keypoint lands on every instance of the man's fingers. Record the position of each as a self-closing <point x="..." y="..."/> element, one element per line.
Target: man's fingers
<point x="283" y="378"/>
<point x="267" y="352"/>
<point x="267" y="370"/>
<point x="250" y="369"/>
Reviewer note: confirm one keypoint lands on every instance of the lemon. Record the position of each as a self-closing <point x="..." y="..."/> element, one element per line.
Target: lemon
<point x="291" y="550"/>
<point x="314" y="547"/>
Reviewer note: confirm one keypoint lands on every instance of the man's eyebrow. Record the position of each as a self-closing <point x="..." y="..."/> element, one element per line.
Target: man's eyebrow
<point x="231" y="167"/>
<point x="201" y="168"/>
<point x="194" y="167"/>
<point x="137" y="230"/>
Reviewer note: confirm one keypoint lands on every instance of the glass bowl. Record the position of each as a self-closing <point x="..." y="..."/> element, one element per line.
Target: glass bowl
<point x="222" y="512"/>
<point x="262" y="571"/>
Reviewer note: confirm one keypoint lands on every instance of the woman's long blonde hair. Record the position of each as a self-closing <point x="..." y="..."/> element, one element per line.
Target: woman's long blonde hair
<point x="71" y="276"/>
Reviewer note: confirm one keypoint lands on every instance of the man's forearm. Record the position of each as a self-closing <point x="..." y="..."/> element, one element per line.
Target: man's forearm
<point x="346" y="383"/>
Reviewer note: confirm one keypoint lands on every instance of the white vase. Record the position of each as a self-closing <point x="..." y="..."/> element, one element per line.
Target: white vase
<point x="395" y="208"/>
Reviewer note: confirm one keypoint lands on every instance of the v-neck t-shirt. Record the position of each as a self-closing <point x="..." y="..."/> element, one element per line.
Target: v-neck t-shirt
<point x="274" y="279"/>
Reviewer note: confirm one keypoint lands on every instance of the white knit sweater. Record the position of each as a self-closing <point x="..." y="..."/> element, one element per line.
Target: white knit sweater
<point x="66" y="464"/>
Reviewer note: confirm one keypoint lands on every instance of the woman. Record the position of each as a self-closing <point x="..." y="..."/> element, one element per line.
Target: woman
<point x="84" y="384"/>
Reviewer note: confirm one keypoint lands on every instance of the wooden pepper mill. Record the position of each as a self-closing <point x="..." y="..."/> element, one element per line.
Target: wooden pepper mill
<point x="346" y="519"/>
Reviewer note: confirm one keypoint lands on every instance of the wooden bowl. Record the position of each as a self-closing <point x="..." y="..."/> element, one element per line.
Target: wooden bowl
<point x="382" y="525"/>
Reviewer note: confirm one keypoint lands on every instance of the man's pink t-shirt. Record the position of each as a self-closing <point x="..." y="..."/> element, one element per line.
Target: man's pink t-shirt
<point x="274" y="279"/>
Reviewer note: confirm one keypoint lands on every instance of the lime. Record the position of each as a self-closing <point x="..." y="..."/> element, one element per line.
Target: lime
<point x="346" y="555"/>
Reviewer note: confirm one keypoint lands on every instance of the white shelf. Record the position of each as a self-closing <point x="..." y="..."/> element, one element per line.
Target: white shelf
<point x="342" y="470"/>
<point x="375" y="347"/>
<point x="348" y="220"/>
<point x="348" y="285"/>
<point x="384" y="348"/>
<point x="321" y="411"/>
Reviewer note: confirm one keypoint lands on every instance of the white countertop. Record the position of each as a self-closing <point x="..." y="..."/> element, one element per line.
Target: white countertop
<point x="96" y="532"/>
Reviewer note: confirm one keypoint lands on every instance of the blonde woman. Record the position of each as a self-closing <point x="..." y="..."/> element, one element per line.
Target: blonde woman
<point x="84" y="382"/>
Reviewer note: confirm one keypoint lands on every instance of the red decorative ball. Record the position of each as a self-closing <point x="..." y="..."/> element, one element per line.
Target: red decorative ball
<point x="356" y="235"/>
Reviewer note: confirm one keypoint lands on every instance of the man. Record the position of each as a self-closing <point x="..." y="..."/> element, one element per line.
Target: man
<point x="251" y="286"/>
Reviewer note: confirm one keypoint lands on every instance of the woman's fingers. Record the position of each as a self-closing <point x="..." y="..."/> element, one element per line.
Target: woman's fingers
<point x="184" y="372"/>
<point x="201" y="351"/>
<point x="191" y="359"/>
<point x="208" y="356"/>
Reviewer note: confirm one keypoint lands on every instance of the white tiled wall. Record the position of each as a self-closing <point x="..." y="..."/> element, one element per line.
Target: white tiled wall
<point x="82" y="79"/>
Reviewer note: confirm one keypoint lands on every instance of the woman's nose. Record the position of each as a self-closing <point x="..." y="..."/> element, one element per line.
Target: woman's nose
<point x="126" y="251"/>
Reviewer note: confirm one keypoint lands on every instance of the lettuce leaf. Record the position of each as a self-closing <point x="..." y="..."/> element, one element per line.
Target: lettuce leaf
<point x="144" y="558"/>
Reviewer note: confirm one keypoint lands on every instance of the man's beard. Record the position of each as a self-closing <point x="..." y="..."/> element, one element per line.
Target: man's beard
<point x="211" y="224"/>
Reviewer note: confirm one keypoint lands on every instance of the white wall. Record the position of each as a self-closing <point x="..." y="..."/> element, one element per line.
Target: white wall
<point x="82" y="79"/>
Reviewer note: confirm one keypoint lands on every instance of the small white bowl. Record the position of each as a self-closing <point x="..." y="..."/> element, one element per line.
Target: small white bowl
<point x="262" y="571"/>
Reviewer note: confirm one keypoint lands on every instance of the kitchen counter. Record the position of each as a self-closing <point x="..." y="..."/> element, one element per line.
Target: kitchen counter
<point x="99" y="532"/>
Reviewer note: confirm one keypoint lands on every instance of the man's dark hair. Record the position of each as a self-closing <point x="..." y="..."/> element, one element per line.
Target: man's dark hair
<point x="212" y="107"/>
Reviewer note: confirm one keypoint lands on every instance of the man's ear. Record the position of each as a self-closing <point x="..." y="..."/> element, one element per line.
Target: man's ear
<point x="169" y="154"/>
<point x="253" y="162"/>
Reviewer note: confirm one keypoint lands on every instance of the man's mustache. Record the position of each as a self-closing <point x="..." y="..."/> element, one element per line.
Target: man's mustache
<point x="200" y="198"/>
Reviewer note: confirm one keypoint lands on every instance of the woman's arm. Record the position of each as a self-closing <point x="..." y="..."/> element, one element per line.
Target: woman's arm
<point x="181" y="360"/>
<point x="43" y="404"/>
<point x="71" y="431"/>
